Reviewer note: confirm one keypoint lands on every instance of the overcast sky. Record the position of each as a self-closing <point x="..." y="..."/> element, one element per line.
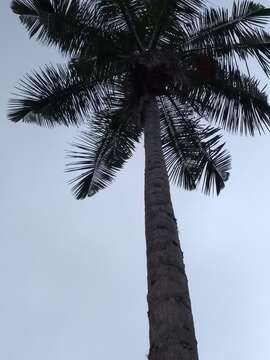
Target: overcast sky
<point x="73" y="273"/>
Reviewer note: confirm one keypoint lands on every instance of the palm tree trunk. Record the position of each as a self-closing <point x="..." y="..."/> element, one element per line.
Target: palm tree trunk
<point x="171" y="328"/>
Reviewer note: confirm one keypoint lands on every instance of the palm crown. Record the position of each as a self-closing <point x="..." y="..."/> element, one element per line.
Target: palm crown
<point x="121" y="51"/>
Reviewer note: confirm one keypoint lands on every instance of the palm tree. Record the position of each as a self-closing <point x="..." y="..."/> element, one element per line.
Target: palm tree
<point x="164" y="69"/>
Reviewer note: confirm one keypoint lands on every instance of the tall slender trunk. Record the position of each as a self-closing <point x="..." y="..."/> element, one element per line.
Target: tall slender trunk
<point x="171" y="328"/>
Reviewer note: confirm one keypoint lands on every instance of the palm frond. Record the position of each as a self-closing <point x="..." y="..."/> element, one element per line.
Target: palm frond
<point x="192" y="152"/>
<point x="216" y="164"/>
<point x="71" y="25"/>
<point x="255" y="44"/>
<point x="55" y="96"/>
<point x="121" y="15"/>
<point x="178" y="150"/>
<point x="102" y="150"/>
<point x="168" y="16"/>
<point x="232" y="100"/>
<point x="217" y="24"/>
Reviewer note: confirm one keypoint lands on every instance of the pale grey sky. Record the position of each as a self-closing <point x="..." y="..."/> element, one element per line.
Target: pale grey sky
<point x="73" y="273"/>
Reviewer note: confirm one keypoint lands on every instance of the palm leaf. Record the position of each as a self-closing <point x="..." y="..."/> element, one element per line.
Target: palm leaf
<point x="102" y="150"/>
<point x="256" y="45"/>
<point x="168" y="16"/>
<point x="73" y="26"/>
<point x="216" y="163"/>
<point x="55" y="96"/>
<point x="232" y="100"/>
<point x="219" y="24"/>
<point x="178" y="151"/>
<point x="192" y="152"/>
<point x="121" y="15"/>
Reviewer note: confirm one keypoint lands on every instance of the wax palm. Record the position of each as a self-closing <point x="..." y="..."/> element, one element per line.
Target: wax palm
<point x="168" y="69"/>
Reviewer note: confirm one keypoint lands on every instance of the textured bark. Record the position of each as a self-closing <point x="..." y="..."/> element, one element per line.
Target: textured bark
<point x="171" y="328"/>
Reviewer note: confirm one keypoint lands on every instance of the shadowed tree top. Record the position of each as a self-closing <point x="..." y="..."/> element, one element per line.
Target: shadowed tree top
<point x="119" y="52"/>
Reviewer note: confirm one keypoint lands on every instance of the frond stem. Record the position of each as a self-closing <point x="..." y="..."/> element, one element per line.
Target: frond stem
<point x="131" y="25"/>
<point x="214" y="28"/>
<point x="155" y="34"/>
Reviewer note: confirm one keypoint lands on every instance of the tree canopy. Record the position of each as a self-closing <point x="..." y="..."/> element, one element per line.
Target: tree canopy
<point x="189" y="57"/>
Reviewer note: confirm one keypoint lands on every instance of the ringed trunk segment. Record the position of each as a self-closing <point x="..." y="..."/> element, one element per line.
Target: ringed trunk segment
<point x="171" y="327"/>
